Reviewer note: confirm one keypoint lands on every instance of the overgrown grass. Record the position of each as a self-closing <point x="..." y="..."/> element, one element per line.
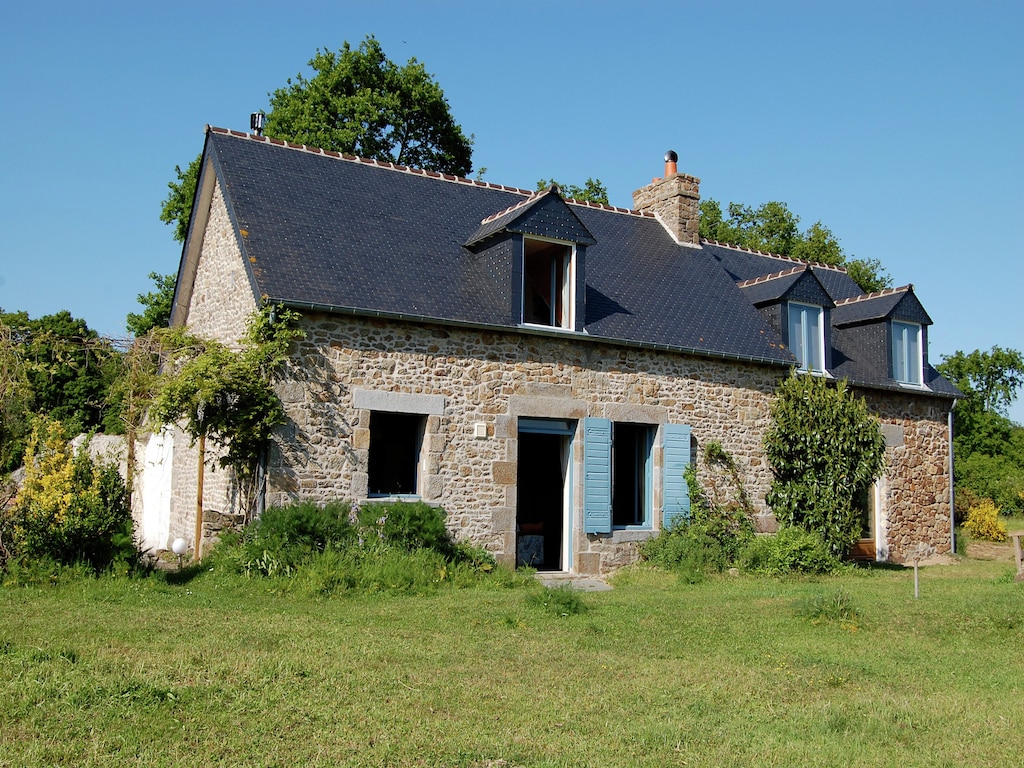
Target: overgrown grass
<point x="209" y="668"/>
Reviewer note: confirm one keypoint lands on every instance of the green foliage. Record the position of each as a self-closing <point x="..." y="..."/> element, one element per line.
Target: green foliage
<point x="562" y="601"/>
<point x="381" y="547"/>
<point x="983" y="522"/>
<point x="592" y="191"/>
<point x="69" y="509"/>
<point x="54" y="366"/>
<point x="833" y="607"/>
<point x="361" y="103"/>
<point x="176" y="208"/>
<point x="824" y="448"/>
<point x="227" y="395"/>
<point x="989" y="447"/>
<point x="774" y="228"/>
<point x="790" y="550"/>
<point x="156" y="305"/>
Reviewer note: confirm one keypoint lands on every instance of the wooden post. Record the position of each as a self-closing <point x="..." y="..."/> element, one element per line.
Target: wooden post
<point x="197" y="554"/>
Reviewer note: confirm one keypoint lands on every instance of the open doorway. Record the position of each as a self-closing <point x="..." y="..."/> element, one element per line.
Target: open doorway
<point x="866" y="504"/>
<point x="542" y="509"/>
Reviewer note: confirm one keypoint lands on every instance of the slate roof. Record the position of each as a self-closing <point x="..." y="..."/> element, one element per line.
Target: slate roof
<point x="331" y="232"/>
<point x="349" y="235"/>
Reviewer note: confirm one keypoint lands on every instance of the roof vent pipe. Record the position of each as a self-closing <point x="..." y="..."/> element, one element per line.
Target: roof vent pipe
<point x="256" y="122"/>
<point x="671" y="158"/>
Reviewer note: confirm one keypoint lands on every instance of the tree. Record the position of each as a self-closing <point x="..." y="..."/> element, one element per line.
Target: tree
<point x="593" y="191"/>
<point x="156" y="305"/>
<point x="14" y="399"/>
<point x="69" y="367"/>
<point x="359" y="102"/>
<point x="989" y="447"/>
<point x="772" y="227"/>
<point x="825" y="449"/>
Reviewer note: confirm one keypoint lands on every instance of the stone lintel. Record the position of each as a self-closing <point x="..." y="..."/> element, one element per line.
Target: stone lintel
<point x="398" y="402"/>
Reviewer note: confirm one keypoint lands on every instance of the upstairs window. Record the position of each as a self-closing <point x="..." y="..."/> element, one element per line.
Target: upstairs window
<point x="547" y="283"/>
<point x="907" y="360"/>
<point x="807" y="336"/>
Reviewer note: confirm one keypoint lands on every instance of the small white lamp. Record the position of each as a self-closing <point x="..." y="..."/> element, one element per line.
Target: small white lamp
<point x="179" y="547"/>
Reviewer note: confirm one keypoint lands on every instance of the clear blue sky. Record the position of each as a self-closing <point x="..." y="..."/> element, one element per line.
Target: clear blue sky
<point x="900" y="125"/>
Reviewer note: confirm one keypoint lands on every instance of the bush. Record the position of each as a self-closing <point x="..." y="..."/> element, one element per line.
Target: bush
<point x="790" y="550"/>
<point x="283" y="538"/>
<point x="407" y="524"/>
<point x="983" y="522"/>
<point x="824" y="448"/>
<point x="69" y="509"/>
<point x="688" y="549"/>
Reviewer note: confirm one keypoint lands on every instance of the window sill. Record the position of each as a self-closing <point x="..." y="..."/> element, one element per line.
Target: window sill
<point x="916" y="387"/>
<point x="552" y="328"/>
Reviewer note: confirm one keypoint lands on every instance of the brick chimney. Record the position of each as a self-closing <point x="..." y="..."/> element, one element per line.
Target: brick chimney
<point x="675" y="200"/>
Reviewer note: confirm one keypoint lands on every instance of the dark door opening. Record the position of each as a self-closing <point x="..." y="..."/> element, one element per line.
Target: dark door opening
<point x="540" y="510"/>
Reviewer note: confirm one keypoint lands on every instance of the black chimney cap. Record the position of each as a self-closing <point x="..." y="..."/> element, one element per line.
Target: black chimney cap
<point x="671" y="157"/>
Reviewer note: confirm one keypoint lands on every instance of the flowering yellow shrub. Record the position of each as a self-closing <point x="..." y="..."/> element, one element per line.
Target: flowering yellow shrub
<point x="983" y="522"/>
<point x="69" y="509"/>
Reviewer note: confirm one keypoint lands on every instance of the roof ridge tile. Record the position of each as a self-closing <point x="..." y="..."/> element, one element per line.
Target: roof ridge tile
<point x="773" y="276"/>
<point x="908" y="288"/>
<point x="773" y="255"/>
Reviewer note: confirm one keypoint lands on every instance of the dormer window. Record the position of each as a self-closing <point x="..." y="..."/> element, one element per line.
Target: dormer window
<point x="807" y="336"/>
<point x="548" y="279"/>
<point x="907" y="361"/>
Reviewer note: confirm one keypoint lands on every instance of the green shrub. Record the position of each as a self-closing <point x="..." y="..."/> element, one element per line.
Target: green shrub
<point x="283" y="538"/>
<point x="824" y="448"/>
<point x="835" y="607"/>
<point x="70" y="509"/>
<point x="688" y="549"/>
<point x="407" y="524"/>
<point x="561" y="600"/>
<point x="790" y="550"/>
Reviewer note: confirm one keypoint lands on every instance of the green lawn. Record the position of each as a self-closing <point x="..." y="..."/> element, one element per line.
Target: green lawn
<point x="730" y="672"/>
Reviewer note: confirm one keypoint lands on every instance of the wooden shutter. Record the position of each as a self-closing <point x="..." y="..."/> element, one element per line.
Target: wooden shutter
<point x="597" y="475"/>
<point x="676" y="458"/>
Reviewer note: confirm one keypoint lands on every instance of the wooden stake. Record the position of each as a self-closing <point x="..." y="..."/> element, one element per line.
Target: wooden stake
<point x="199" y="500"/>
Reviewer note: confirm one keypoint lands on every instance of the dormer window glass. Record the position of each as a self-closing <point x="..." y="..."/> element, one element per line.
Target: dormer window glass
<point x="548" y="283"/>
<point x="807" y="336"/>
<point x="907" y="361"/>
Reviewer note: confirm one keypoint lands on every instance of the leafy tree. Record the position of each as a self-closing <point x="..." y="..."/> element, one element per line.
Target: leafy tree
<point x="69" y="368"/>
<point x="592" y="191"/>
<point x="358" y="102"/>
<point x="772" y="227"/>
<point x="824" y="448"/>
<point x="14" y="399"/>
<point x="156" y="305"/>
<point x="989" y="447"/>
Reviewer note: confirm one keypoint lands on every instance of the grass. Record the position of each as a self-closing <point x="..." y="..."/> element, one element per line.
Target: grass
<point x="217" y="670"/>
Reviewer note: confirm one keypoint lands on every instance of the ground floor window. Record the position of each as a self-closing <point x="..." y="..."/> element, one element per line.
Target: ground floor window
<point x="631" y="474"/>
<point x="396" y="440"/>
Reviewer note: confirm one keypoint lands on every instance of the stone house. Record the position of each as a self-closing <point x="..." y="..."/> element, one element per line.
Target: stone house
<point x="541" y="368"/>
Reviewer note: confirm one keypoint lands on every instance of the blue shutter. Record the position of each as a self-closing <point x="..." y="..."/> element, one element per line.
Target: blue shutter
<point x="597" y="476"/>
<point x="676" y="458"/>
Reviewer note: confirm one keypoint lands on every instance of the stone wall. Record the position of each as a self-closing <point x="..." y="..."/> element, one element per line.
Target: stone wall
<point x="493" y="379"/>
<point x="916" y="486"/>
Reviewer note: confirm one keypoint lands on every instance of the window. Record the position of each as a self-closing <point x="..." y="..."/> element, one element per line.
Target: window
<point x="631" y="474"/>
<point x="394" y="460"/>
<point x="807" y="336"/>
<point x="547" y="283"/>
<point x="906" y="353"/>
<point x="618" y="474"/>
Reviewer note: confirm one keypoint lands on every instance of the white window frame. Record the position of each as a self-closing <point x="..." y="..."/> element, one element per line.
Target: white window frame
<point x="567" y="320"/>
<point x="907" y="353"/>
<point x="800" y="350"/>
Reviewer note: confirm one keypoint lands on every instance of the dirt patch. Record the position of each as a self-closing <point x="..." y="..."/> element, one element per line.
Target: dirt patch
<point x="990" y="550"/>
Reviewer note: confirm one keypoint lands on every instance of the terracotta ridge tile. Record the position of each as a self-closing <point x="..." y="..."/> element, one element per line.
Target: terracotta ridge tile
<point x="773" y="255"/>
<point x="773" y="276"/>
<point x="908" y="288"/>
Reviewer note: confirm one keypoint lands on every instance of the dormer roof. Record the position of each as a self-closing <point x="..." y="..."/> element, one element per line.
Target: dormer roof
<point x="890" y="304"/>
<point x="544" y="214"/>
<point x="798" y="283"/>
